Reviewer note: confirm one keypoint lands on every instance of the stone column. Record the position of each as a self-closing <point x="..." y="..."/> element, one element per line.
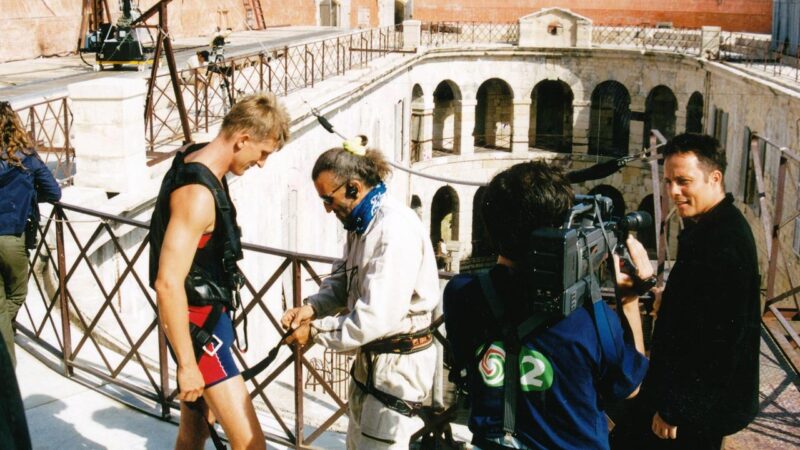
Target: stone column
<point x="108" y="129"/>
<point x="412" y="37"/>
<point x="466" y="126"/>
<point x="581" y="114"/>
<point x="636" y="143"/>
<point x="521" y="122"/>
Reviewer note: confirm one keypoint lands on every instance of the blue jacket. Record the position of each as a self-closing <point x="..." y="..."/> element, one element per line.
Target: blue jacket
<point x="19" y="188"/>
<point x="565" y="377"/>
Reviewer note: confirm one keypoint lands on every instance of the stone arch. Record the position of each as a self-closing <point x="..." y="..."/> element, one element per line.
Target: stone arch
<point x="494" y="114"/>
<point x="481" y="246"/>
<point x="444" y="215"/>
<point x="609" y="119"/>
<point x="446" y="116"/>
<point x="647" y="236"/>
<point x="659" y="112"/>
<point x="694" y="113"/>
<point x="417" y="125"/>
<point x="614" y="194"/>
<point x="551" y="116"/>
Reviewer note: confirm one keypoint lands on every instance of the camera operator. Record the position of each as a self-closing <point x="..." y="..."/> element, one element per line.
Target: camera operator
<point x="703" y="378"/>
<point x="565" y="377"/>
<point x="378" y="300"/>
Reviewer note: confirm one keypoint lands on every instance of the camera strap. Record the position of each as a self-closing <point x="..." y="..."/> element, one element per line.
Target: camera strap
<point x="598" y="309"/>
<point x="512" y="336"/>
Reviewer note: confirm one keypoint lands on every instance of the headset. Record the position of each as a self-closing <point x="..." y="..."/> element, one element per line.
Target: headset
<point x="351" y="191"/>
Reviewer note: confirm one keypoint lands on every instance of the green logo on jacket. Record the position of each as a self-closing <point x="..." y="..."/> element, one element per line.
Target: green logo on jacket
<point x="536" y="372"/>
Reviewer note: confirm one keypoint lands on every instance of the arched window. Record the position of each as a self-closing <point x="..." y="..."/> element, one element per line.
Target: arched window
<point x="659" y="113"/>
<point x="446" y="117"/>
<point x="694" y="113"/>
<point x="444" y="215"/>
<point x="609" y="120"/>
<point x="480" y="237"/>
<point x="551" y="116"/>
<point x="417" y="112"/>
<point x="494" y="115"/>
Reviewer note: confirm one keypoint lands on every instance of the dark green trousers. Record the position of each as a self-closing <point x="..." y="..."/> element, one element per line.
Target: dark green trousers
<point x="13" y="286"/>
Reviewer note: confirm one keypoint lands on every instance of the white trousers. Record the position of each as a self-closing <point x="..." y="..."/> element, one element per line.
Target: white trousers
<point x="374" y="426"/>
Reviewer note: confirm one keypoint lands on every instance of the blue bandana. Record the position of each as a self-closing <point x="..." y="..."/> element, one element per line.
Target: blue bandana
<point x="362" y="214"/>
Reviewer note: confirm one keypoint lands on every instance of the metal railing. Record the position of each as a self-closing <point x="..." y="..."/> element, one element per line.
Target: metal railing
<point x="437" y="34"/>
<point x="49" y="123"/>
<point x="676" y="40"/>
<point x="96" y="313"/>
<point x="777" y="212"/>
<point x="210" y="91"/>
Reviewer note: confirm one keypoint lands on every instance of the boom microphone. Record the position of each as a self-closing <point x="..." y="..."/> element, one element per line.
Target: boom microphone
<point x="596" y="171"/>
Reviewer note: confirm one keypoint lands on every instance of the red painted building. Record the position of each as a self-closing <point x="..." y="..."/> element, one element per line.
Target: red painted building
<point x="731" y="15"/>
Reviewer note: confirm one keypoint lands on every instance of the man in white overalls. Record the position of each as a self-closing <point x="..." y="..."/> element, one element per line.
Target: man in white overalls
<point x="378" y="300"/>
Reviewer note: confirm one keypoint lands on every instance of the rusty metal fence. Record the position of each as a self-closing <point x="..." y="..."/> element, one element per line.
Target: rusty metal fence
<point x="438" y="34"/>
<point x="92" y="308"/>
<point x="210" y="91"/>
<point x="778" y="191"/>
<point x="49" y="123"/>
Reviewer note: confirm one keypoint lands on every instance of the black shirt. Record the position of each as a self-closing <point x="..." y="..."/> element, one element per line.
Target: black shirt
<point x="704" y="359"/>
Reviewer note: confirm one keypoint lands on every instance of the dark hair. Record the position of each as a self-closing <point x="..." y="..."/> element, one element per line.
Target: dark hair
<point x="204" y="54"/>
<point x="520" y="199"/>
<point x="705" y="147"/>
<point x="371" y="168"/>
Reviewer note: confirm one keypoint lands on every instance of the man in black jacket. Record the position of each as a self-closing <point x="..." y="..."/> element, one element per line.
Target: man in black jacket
<point x="703" y="377"/>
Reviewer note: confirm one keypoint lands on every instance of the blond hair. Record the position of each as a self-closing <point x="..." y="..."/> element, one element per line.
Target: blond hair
<point x="13" y="137"/>
<point x="261" y="115"/>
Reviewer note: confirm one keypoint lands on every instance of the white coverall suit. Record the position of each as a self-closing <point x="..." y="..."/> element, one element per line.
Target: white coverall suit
<point x="386" y="284"/>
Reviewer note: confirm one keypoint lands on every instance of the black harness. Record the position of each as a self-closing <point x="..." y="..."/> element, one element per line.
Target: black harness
<point x="402" y="344"/>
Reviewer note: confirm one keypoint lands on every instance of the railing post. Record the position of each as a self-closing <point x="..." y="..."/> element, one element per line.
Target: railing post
<point x="298" y="365"/>
<point x="261" y="63"/>
<point x="68" y="167"/>
<point x="286" y="70"/>
<point x="163" y="366"/>
<point x="776" y="228"/>
<point x="62" y="292"/>
<point x="32" y="118"/>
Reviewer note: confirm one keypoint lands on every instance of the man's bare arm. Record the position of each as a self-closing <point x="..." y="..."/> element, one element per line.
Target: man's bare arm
<point x="191" y="214"/>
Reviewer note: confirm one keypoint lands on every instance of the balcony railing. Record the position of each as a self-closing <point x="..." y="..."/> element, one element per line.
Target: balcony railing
<point x="210" y="91"/>
<point x="48" y="124"/>
<point x="437" y="34"/>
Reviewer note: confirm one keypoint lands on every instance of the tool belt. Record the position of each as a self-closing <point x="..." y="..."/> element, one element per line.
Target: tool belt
<point x="402" y="344"/>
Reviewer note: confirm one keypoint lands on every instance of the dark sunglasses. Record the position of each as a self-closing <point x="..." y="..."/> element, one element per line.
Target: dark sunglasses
<point x="328" y="199"/>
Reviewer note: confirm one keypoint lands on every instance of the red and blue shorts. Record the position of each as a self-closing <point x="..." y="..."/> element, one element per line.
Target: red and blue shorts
<point x="217" y="362"/>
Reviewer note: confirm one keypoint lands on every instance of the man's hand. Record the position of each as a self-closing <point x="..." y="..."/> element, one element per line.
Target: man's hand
<point x="301" y="335"/>
<point x="662" y="429"/>
<point x="295" y="317"/>
<point x="298" y="319"/>
<point x="191" y="383"/>
<point x="640" y="259"/>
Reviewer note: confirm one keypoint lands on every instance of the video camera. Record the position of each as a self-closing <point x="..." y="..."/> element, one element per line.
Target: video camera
<point x="560" y="262"/>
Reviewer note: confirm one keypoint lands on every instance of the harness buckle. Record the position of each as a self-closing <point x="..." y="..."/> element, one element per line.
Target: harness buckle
<point x="216" y="344"/>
